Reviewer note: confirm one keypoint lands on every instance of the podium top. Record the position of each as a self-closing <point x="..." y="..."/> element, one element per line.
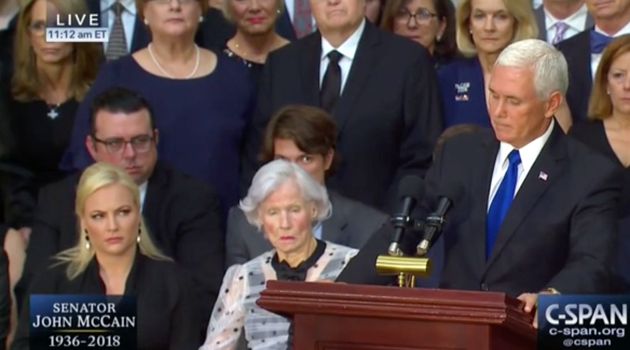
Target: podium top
<point x="456" y="306"/>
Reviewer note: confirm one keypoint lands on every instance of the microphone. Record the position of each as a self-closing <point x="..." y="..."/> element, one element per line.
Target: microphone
<point x="434" y="222"/>
<point x="410" y="189"/>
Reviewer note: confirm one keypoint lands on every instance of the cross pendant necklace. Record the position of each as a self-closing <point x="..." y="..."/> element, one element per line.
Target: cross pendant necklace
<point x="52" y="112"/>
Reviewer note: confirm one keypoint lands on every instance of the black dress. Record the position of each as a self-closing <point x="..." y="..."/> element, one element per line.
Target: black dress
<point x="166" y="315"/>
<point x="42" y="133"/>
<point x="593" y="134"/>
<point x="255" y="69"/>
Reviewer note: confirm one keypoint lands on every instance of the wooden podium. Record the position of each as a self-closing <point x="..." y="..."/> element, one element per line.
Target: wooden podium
<point x="334" y="316"/>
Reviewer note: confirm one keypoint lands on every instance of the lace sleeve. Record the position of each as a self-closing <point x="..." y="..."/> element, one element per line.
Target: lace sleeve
<point x="226" y="322"/>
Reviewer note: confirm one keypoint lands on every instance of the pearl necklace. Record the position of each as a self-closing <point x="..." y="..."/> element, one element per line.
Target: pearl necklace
<point x="157" y="64"/>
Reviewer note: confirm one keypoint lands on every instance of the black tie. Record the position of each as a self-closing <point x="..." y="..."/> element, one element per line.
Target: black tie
<point x="331" y="86"/>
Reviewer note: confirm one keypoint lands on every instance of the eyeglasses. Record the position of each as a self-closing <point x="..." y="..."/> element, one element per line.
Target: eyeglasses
<point x="168" y="2"/>
<point x="422" y="16"/>
<point x="140" y="143"/>
<point x="37" y="27"/>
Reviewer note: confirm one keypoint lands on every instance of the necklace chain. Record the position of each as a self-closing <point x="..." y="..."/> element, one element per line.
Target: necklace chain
<point x="159" y="66"/>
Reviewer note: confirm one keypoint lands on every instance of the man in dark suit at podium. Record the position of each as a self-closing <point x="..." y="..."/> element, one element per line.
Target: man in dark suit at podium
<point x="379" y="87"/>
<point x="533" y="210"/>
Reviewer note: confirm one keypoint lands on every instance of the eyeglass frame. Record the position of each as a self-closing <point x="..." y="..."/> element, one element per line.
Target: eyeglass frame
<point x="107" y="143"/>
<point x="417" y="16"/>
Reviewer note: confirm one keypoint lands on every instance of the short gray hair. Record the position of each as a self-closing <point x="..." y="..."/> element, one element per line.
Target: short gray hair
<point x="275" y="174"/>
<point x="548" y="65"/>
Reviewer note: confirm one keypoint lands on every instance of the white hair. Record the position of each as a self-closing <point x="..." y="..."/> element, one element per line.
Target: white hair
<point x="548" y="65"/>
<point x="275" y="174"/>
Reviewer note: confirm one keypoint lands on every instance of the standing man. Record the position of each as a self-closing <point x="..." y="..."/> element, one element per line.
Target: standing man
<point x="583" y="51"/>
<point x="127" y="33"/>
<point x="534" y="211"/>
<point x="379" y="87"/>
<point x="559" y="20"/>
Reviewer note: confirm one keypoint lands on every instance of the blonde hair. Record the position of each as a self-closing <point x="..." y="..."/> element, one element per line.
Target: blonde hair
<point x="525" y="26"/>
<point x="600" y="105"/>
<point x="95" y="177"/>
<point x="86" y="57"/>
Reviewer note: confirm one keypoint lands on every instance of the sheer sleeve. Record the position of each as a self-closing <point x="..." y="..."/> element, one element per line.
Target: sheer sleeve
<point x="228" y="316"/>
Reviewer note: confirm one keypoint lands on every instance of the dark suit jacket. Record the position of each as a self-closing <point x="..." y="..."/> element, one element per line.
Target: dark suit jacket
<point x="388" y="115"/>
<point x="182" y="215"/>
<point x="559" y="232"/>
<point x="539" y="13"/>
<point x="141" y="36"/>
<point x="351" y="224"/>
<point x="577" y="51"/>
<point x="166" y="314"/>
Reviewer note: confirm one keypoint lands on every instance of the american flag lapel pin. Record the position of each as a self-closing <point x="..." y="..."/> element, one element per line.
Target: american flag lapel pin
<point x="543" y="176"/>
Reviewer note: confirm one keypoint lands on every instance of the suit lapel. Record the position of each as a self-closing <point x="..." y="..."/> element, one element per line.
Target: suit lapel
<point x="154" y="196"/>
<point x="546" y="169"/>
<point x="332" y="228"/>
<point x="364" y="63"/>
<point x="310" y="59"/>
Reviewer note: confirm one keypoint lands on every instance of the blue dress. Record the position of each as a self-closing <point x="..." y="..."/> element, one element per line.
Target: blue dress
<point x="200" y="121"/>
<point x="462" y="90"/>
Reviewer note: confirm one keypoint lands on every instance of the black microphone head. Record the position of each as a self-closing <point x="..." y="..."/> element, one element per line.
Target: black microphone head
<point x="411" y="186"/>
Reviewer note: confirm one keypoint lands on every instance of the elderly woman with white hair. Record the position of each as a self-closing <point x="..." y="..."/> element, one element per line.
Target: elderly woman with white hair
<point x="285" y="202"/>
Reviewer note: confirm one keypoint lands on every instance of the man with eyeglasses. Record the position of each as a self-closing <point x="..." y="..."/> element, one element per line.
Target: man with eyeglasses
<point x="380" y="88"/>
<point x="182" y="214"/>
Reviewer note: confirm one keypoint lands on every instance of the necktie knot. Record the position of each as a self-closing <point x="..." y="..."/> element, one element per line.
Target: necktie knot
<point x="334" y="56"/>
<point x="118" y="8"/>
<point x="561" y="28"/>
<point x="514" y="158"/>
<point x="599" y="41"/>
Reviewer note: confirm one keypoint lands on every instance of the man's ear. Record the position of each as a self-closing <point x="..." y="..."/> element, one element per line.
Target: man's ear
<point x="90" y="144"/>
<point x="553" y="104"/>
<point x="156" y="136"/>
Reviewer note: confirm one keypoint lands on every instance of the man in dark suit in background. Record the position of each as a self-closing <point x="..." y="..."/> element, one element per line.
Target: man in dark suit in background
<point x="182" y="214"/>
<point x="559" y="20"/>
<point x="583" y="51"/>
<point x="379" y="87"/>
<point x="136" y="35"/>
<point x="533" y="210"/>
<point x="306" y="136"/>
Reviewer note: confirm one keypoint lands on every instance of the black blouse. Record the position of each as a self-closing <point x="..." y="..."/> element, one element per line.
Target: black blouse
<point x="284" y="272"/>
<point x="166" y="315"/>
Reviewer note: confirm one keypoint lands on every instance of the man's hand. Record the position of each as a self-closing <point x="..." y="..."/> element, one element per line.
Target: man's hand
<point x="530" y="300"/>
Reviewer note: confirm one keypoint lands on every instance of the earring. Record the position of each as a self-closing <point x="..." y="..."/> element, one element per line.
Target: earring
<point x="87" y="241"/>
<point x="438" y="38"/>
<point x="200" y="19"/>
<point x="138" y="238"/>
<point x="278" y="11"/>
<point x="146" y="22"/>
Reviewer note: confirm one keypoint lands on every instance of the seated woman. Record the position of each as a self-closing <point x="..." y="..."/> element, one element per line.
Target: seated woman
<point x="608" y="131"/>
<point x="430" y="23"/>
<point x="285" y="202"/>
<point x="306" y="136"/>
<point x="114" y="255"/>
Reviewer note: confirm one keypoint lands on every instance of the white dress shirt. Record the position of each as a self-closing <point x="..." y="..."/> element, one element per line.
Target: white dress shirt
<point x="596" y="57"/>
<point x="528" y="154"/>
<point x="348" y="49"/>
<point x="576" y="23"/>
<point x="128" y="18"/>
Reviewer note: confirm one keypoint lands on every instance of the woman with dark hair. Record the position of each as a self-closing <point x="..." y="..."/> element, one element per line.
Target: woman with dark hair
<point x="255" y="35"/>
<point x="431" y="23"/>
<point x="49" y="80"/>
<point x="608" y="131"/>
